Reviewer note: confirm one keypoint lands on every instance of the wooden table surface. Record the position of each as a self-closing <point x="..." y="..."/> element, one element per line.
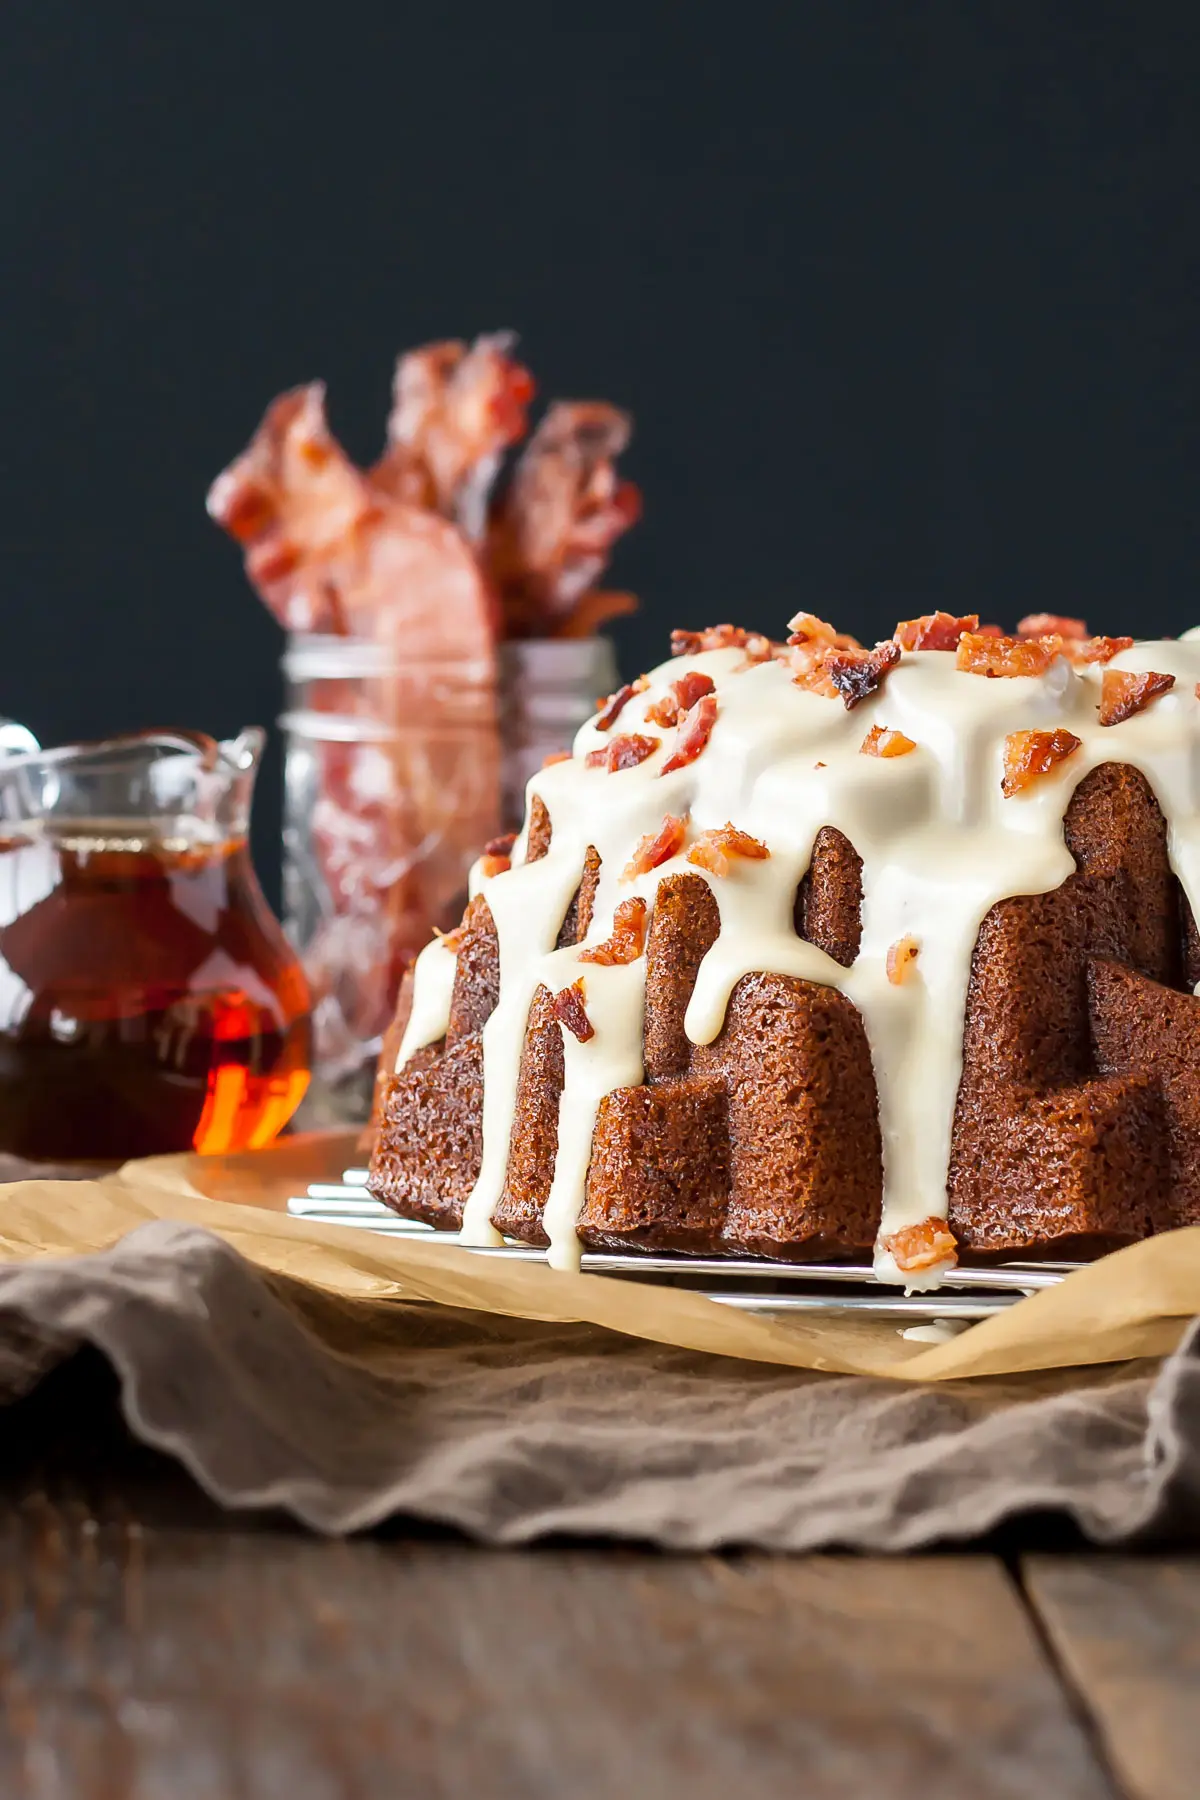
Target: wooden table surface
<point x="151" y="1647"/>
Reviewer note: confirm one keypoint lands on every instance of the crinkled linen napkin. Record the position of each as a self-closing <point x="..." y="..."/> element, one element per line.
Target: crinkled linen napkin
<point x="347" y="1412"/>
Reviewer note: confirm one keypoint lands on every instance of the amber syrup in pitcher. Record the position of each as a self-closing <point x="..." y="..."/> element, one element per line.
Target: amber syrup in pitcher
<point x="149" y="1001"/>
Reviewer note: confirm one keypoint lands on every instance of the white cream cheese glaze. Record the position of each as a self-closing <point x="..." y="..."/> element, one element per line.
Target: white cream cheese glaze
<point x="939" y="842"/>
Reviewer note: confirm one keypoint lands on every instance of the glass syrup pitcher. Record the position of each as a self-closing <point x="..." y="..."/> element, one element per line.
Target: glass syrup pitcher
<point x="149" y="1000"/>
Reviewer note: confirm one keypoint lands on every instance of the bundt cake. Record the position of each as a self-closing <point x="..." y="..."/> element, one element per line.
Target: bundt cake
<point x="810" y="949"/>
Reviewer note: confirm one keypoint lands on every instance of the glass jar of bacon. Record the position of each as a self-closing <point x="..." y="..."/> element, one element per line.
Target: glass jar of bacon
<point x="441" y="642"/>
<point x="392" y="788"/>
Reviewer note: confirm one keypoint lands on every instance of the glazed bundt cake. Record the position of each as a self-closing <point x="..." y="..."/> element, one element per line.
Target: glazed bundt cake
<point x="810" y="949"/>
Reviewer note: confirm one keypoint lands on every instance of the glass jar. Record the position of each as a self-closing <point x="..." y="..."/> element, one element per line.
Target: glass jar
<point x="548" y="688"/>
<point x="391" y="789"/>
<point x="148" y="999"/>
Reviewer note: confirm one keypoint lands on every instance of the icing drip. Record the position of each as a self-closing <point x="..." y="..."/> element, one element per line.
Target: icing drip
<point x="939" y="842"/>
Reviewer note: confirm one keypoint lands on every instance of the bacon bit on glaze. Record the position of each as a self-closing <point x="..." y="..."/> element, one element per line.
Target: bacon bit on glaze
<point x="628" y="937"/>
<point x="494" y="865"/>
<point x="451" y="940"/>
<point x="880" y="741"/>
<point x="680" y="697"/>
<point x="692" y="733"/>
<point x="656" y="848"/>
<point x="555" y="756"/>
<point x="501" y="846"/>
<point x="1029" y="754"/>
<point x="900" y="959"/>
<point x="807" y="629"/>
<point x="612" y="708"/>
<point x="858" y="673"/>
<point x="934" y="631"/>
<point x="569" y="1010"/>
<point x="924" y="1246"/>
<point x="622" y="753"/>
<point x="1094" y="649"/>
<point x="1123" y="693"/>
<point x="980" y="654"/>
<point x="713" y="849"/>
<point x="1036" y="625"/>
<point x="723" y="637"/>
<point x="990" y="631"/>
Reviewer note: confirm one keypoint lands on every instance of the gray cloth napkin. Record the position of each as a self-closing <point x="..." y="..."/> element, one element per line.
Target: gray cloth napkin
<point x="345" y="1413"/>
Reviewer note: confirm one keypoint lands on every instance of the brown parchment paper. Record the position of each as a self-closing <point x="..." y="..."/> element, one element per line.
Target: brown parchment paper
<point x="1135" y="1303"/>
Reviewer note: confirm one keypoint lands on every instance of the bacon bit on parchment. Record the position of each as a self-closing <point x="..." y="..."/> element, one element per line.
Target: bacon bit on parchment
<point x="628" y="937"/>
<point x="900" y="959"/>
<point x="555" y="756"/>
<point x="656" y="848"/>
<point x="1035" y="625"/>
<point x="679" y="698"/>
<point x="881" y="741"/>
<point x="923" y="1246"/>
<point x="612" y="708"/>
<point x="1030" y="754"/>
<point x="692" y="734"/>
<point x="979" y="654"/>
<point x="723" y="637"/>
<point x="934" y="631"/>
<point x="569" y="1010"/>
<point x="622" y="753"/>
<point x="713" y="849"/>
<point x="1123" y="693"/>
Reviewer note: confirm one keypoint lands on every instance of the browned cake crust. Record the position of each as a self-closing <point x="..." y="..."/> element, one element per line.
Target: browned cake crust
<point x="1078" y="1119"/>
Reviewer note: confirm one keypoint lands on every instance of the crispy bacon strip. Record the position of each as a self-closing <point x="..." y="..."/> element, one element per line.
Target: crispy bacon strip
<point x="622" y="753"/>
<point x="724" y="637"/>
<point x="900" y="959"/>
<point x="553" y="531"/>
<point x="934" y="631"/>
<point x="612" y="708"/>
<point x="924" y="1246"/>
<point x="1030" y="754"/>
<point x="981" y="654"/>
<point x="455" y="409"/>
<point x="679" y="698"/>
<point x="628" y="937"/>
<point x="570" y="1010"/>
<point x="692" y="734"/>
<point x="880" y="741"/>
<point x="1035" y="625"/>
<point x="1123" y="693"/>
<point x="656" y="848"/>
<point x="713" y="849"/>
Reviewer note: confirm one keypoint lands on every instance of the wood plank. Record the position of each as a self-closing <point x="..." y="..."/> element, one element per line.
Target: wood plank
<point x="1126" y="1631"/>
<point x="139" y="1659"/>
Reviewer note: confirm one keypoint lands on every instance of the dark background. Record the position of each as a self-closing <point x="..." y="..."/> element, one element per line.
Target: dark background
<point x="901" y="293"/>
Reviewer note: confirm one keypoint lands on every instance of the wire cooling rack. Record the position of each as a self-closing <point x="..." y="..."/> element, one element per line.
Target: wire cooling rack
<point x="751" y="1284"/>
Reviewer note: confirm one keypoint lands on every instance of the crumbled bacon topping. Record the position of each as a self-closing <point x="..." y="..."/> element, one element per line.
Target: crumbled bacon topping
<point x="612" y="708"/>
<point x="713" y="849"/>
<point x="1036" y="625"/>
<point x="807" y="629"/>
<point x="723" y="637"/>
<point x="925" y="1246"/>
<point x="501" y="846"/>
<point x="679" y="698"/>
<point x="1094" y="649"/>
<point x="880" y="741"/>
<point x="627" y="939"/>
<point x="569" y="1010"/>
<point x="1123" y="693"/>
<point x="555" y="756"/>
<point x="622" y="753"/>
<point x="1030" y="754"/>
<point x="656" y="848"/>
<point x="981" y="654"/>
<point x="692" y="734"/>
<point x="900" y="959"/>
<point x="490" y="865"/>
<point x="990" y="631"/>
<point x="934" y="631"/>
<point x="451" y="940"/>
<point x="857" y="673"/>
